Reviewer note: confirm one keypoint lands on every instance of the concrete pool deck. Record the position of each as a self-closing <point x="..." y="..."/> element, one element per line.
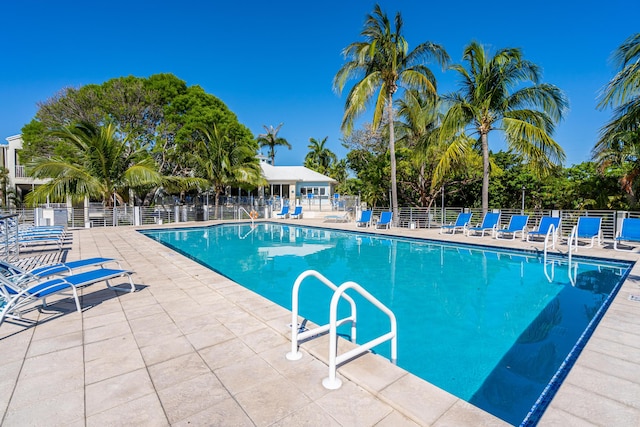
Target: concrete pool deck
<point x="191" y="347"/>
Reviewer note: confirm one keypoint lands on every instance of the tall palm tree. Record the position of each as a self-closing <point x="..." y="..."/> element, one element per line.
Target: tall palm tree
<point x="319" y="157"/>
<point x="620" y="137"/>
<point x="222" y="161"/>
<point x="104" y="167"/>
<point x="494" y="96"/>
<point x="272" y="140"/>
<point x="385" y="64"/>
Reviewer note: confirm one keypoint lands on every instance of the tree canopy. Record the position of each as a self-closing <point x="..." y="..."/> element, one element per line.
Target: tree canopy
<point x="104" y="167"/>
<point x="160" y="112"/>
<point x="381" y="64"/>
<point x="503" y="92"/>
<point x="619" y="142"/>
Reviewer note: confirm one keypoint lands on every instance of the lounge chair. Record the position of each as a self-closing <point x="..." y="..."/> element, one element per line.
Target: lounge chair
<point x="19" y="295"/>
<point x="490" y="223"/>
<point x="365" y="219"/>
<point x="17" y="274"/>
<point x="24" y="241"/>
<point x="517" y="224"/>
<point x="588" y="227"/>
<point x="338" y="218"/>
<point x="385" y="220"/>
<point x="16" y="298"/>
<point x="462" y="222"/>
<point x="284" y="213"/>
<point x="629" y="232"/>
<point x="546" y="223"/>
<point x="12" y="228"/>
<point x="297" y="213"/>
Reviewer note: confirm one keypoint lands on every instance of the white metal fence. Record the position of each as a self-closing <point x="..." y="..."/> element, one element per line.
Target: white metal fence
<point x="410" y="217"/>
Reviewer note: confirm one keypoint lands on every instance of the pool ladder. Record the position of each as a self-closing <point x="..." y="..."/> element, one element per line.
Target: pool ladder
<point x="551" y="234"/>
<point x="241" y="209"/>
<point x="300" y="333"/>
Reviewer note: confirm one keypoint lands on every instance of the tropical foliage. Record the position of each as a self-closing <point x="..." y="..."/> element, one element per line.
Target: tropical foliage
<point x="495" y="95"/>
<point x="103" y="168"/>
<point x="223" y="162"/>
<point x="385" y="63"/>
<point x="619" y="142"/>
<point x="159" y="116"/>
<point x="319" y="158"/>
<point x="131" y="136"/>
<point x="271" y="140"/>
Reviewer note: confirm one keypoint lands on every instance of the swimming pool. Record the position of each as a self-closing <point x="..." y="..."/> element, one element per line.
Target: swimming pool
<point x="491" y="327"/>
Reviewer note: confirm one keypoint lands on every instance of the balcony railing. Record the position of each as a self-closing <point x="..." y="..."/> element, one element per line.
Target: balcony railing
<point x="20" y="173"/>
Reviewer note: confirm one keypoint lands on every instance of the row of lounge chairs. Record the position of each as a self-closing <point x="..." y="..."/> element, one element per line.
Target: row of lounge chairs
<point x="20" y="288"/>
<point x="587" y="228"/>
<point x="23" y="236"/>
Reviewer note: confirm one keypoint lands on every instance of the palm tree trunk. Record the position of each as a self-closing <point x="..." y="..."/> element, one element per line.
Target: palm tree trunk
<point x="216" y="204"/>
<point x="424" y="193"/>
<point x="392" y="155"/>
<point x="484" y="139"/>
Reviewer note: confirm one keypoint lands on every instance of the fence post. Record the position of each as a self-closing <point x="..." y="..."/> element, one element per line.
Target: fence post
<point x="137" y="218"/>
<point x="617" y="224"/>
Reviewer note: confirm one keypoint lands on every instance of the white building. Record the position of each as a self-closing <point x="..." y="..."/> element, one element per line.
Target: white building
<point x="18" y="179"/>
<point x="296" y="182"/>
<point x="288" y="182"/>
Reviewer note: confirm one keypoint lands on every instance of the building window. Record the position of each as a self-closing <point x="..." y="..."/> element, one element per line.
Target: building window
<point x="316" y="191"/>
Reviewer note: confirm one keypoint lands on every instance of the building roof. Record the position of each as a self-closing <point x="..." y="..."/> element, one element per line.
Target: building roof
<point x="292" y="174"/>
<point x="9" y="139"/>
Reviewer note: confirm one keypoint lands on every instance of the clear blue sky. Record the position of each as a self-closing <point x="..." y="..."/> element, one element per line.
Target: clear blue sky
<point x="273" y="62"/>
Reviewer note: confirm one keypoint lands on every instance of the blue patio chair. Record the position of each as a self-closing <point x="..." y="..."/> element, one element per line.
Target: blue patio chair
<point x="462" y="222"/>
<point x="365" y="219"/>
<point x="385" y="220"/>
<point x="283" y="213"/>
<point x="517" y="224"/>
<point x="18" y="295"/>
<point x="17" y="274"/>
<point x="589" y="228"/>
<point x="490" y="223"/>
<point x="297" y="212"/>
<point x="629" y="232"/>
<point x="546" y="223"/>
<point x="16" y="298"/>
<point x="26" y="240"/>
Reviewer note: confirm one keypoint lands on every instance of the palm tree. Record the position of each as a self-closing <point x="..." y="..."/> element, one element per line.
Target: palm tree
<point x="4" y="186"/>
<point x="619" y="140"/>
<point x="319" y="157"/>
<point x="386" y="64"/>
<point x="272" y="140"/>
<point x="222" y="161"/>
<point x="418" y="130"/>
<point x="492" y="97"/>
<point x="104" y="167"/>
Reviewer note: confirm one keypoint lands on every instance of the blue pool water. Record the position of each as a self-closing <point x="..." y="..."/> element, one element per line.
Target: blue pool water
<point x="491" y="327"/>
